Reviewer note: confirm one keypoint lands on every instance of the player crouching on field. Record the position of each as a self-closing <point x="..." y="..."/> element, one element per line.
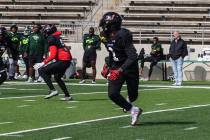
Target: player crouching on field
<point x="123" y="63"/>
<point x="62" y="57"/>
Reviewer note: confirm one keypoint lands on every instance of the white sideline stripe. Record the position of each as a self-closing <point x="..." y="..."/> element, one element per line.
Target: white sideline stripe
<point x="21" y="106"/>
<point x="200" y="87"/>
<point x="34" y="96"/>
<point x="64" y="138"/>
<point x="5" y="122"/>
<point x="29" y="100"/>
<point x="191" y="128"/>
<point x="71" y="107"/>
<point x="30" y="89"/>
<point x="161" y="104"/>
<point x="7" y="88"/>
<point x="15" y="135"/>
<point x="128" y="126"/>
<point x="101" y="119"/>
<point x="23" y="83"/>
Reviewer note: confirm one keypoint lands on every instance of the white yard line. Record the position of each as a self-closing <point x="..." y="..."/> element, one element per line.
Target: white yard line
<point x="5" y="122"/>
<point x="74" y="94"/>
<point x="30" y="89"/>
<point x="100" y="119"/>
<point x="191" y="128"/>
<point x="160" y="104"/>
<point x="127" y="126"/>
<point x="21" y="106"/>
<point x="63" y="138"/>
<point x="29" y="100"/>
<point x="70" y="107"/>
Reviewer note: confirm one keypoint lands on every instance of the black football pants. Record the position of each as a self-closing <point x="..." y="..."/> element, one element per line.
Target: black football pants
<point x="132" y="80"/>
<point x="57" y="69"/>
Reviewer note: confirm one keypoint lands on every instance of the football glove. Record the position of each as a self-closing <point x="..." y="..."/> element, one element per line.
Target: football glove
<point x="114" y="74"/>
<point x="105" y="71"/>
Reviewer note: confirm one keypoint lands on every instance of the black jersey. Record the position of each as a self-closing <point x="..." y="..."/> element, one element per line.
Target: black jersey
<point x="122" y="53"/>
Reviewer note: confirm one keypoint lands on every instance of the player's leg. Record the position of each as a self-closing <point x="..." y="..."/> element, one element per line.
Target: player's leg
<point x="84" y="66"/>
<point x="61" y="83"/>
<point x="132" y="81"/>
<point x="114" y="88"/>
<point x="45" y="73"/>
<point x="93" y="65"/>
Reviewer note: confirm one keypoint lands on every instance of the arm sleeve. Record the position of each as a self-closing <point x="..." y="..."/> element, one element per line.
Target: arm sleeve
<point x="53" y="53"/>
<point x="98" y="42"/>
<point x="185" y="52"/>
<point x="130" y="51"/>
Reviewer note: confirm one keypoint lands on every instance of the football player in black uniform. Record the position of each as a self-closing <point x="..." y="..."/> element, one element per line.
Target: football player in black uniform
<point x="4" y="41"/>
<point x="123" y="63"/>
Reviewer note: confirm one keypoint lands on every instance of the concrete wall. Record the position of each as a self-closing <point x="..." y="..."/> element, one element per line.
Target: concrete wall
<point x="197" y="71"/>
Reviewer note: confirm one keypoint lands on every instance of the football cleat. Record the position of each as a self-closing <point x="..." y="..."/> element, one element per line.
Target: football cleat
<point x="66" y="98"/>
<point x="52" y="93"/>
<point x="82" y="82"/>
<point x="135" y="113"/>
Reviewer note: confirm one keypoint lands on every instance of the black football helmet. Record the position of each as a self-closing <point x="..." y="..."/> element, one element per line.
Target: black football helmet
<point x="49" y="29"/>
<point x="110" y="21"/>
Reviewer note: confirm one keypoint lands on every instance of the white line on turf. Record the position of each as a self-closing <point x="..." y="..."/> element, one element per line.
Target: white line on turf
<point x="29" y="100"/>
<point x="64" y="138"/>
<point x="21" y="106"/>
<point x="191" y="128"/>
<point x="75" y="94"/>
<point x="70" y="107"/>
<point x="6" y="88"/>
<point x="100" y="119"/>
<point x="160" y="104"/>
<point x="30" y="89"/>
<point x="15" y="135"/>
<point x="128" y="126"/>
<point x="5" y="122"/>
<point x="76" y="84"/>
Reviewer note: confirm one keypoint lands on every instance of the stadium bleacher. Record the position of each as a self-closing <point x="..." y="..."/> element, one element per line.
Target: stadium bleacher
<point x="147" y="19"/>
<point x="27" y="12"/>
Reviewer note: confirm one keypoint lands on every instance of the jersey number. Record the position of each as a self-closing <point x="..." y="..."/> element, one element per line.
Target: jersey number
<point x="113" y="54"/>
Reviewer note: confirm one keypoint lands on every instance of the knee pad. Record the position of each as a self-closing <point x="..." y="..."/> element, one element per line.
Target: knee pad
<point x="3" y="76"/>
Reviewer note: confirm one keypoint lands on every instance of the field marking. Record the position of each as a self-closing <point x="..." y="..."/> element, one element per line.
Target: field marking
<point x="191" y="128"/>
<point x="77" y="84"/>
<point x="5" y="122"/>
<point x="7" y="88"/>
<point x="127" y="126"/>
<point x="100" y="119"/>
<point x="22" y="106"/>
<point x="29" y="89"/>
<point x="160" y="104"/>
<point x="74" y="94"/>
<point x="70" y="107"/>
<point x="64" y="138"/>
<point x="15" y="135"/>
<point x="30" y="100"/>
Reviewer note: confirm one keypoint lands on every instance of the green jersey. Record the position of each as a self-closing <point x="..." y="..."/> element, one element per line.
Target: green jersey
<point x="91" y="43"/>
<point x="37" y="44"/>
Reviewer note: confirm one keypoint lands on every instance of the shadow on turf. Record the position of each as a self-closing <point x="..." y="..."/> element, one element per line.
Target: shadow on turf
<point x="166" y="123"/>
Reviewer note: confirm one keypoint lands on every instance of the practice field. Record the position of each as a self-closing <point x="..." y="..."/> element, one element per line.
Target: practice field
<point x="170" y="113"/>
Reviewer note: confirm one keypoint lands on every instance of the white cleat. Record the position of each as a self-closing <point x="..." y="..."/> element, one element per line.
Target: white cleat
<point x="93" y="82"/>
<point x="135" y="113"/>
<point x="52" y="93"/>
<point x="174" y="84"/>
<point x="82" y="82"/>
<point x="66" y="98"/>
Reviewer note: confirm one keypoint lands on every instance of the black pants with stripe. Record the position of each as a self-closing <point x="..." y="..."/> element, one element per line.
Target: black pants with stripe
<point x="132" y="80"/>
<point x="57" y="69"/>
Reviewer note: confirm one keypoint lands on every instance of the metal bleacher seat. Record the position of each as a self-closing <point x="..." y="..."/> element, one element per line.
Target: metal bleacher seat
<point x="153" y="15"/>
